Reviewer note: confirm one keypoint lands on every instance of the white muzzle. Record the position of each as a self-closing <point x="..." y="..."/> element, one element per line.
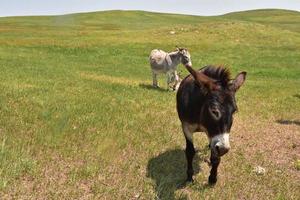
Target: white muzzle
<point x="220" y="144"/>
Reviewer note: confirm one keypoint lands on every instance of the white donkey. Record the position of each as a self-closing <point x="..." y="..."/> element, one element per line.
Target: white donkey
<point x="166" y="63"/>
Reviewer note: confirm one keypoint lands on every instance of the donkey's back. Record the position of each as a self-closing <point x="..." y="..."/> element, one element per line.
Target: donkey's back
<point x="159" y="61"/>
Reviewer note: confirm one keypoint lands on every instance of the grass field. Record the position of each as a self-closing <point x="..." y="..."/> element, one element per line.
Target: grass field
<point x="79" y="120"/>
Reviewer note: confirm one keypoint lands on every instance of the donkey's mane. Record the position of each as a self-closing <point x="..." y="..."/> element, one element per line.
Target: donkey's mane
<point x="219" y="73"/>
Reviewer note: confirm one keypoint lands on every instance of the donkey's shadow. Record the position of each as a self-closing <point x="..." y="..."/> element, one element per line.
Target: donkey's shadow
<point x="168" y="170"/>
<point x="150" y="87"/>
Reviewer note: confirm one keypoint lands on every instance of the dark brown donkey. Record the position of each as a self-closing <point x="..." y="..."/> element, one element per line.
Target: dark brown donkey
<point x="206" y="103"/>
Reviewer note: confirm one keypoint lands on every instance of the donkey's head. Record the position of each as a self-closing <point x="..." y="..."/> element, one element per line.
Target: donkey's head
<point x="185" y="56"/>
<point x="218" y="104"/>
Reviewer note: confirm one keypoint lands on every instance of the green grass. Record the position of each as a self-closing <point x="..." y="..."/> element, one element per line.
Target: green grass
<point x="80" y="120"/>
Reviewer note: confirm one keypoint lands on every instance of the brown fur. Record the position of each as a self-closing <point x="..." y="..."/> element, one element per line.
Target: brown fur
<point x="206" y="98"/>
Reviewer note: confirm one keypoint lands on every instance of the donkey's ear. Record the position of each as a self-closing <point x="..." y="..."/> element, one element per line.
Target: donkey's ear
<point x="202" y="79"/>
<point x="238" y="81"/>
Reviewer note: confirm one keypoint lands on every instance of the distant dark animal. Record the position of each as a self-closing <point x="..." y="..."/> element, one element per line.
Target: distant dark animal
<point x="162" y="62"/>
<point x="206" y="103"/>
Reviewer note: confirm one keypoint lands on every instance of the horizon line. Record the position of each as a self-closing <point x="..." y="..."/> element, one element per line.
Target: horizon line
<point x="150" y="11"/>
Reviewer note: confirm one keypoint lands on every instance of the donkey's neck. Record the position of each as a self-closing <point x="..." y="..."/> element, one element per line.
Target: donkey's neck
<point x="175" y="57"/>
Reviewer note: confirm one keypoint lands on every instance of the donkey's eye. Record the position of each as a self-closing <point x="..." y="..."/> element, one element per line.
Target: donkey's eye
<point x="185" y="58"/>
<point x="215" y="113"/>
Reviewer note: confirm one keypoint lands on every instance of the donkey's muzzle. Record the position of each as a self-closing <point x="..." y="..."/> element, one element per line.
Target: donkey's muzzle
<point x="188" y="63"/>
<point x="220" y="144"/>
<point x="221" y="149"/>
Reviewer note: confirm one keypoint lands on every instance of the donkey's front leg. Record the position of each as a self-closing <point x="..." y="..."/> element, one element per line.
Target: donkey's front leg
<point x="154" y="77"/>
<point x="215" y="161"/>
<point x="169" y="79"/>
<point x="176" y="76"/>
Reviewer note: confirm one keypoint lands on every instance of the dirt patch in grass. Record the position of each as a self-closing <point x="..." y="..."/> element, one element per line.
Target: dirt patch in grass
<point x="266" y="143"/>
<point x="52" y="182"/>
<point x="110" y="79"/>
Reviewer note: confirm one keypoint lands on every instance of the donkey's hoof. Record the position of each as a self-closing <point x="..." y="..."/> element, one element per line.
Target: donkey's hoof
<point x="212" y="180"/>
<point x="190" y="180"/>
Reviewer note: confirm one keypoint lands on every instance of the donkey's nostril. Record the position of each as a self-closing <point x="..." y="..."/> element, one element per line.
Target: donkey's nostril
<point x="221" y="149"/>
<point x="218" y="149"/>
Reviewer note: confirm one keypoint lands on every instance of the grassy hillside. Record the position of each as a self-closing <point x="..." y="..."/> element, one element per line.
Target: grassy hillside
<point x="284" y="19"/>
<point x="79" y="119"/>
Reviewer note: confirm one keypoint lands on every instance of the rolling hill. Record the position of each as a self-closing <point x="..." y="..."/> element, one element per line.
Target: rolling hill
<point x="79" y="118"/>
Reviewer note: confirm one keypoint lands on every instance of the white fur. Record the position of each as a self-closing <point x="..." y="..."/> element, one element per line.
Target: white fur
<point x="162" y="62"/>
<point x="222" y="140"/>
<point x="189" y="129"/>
